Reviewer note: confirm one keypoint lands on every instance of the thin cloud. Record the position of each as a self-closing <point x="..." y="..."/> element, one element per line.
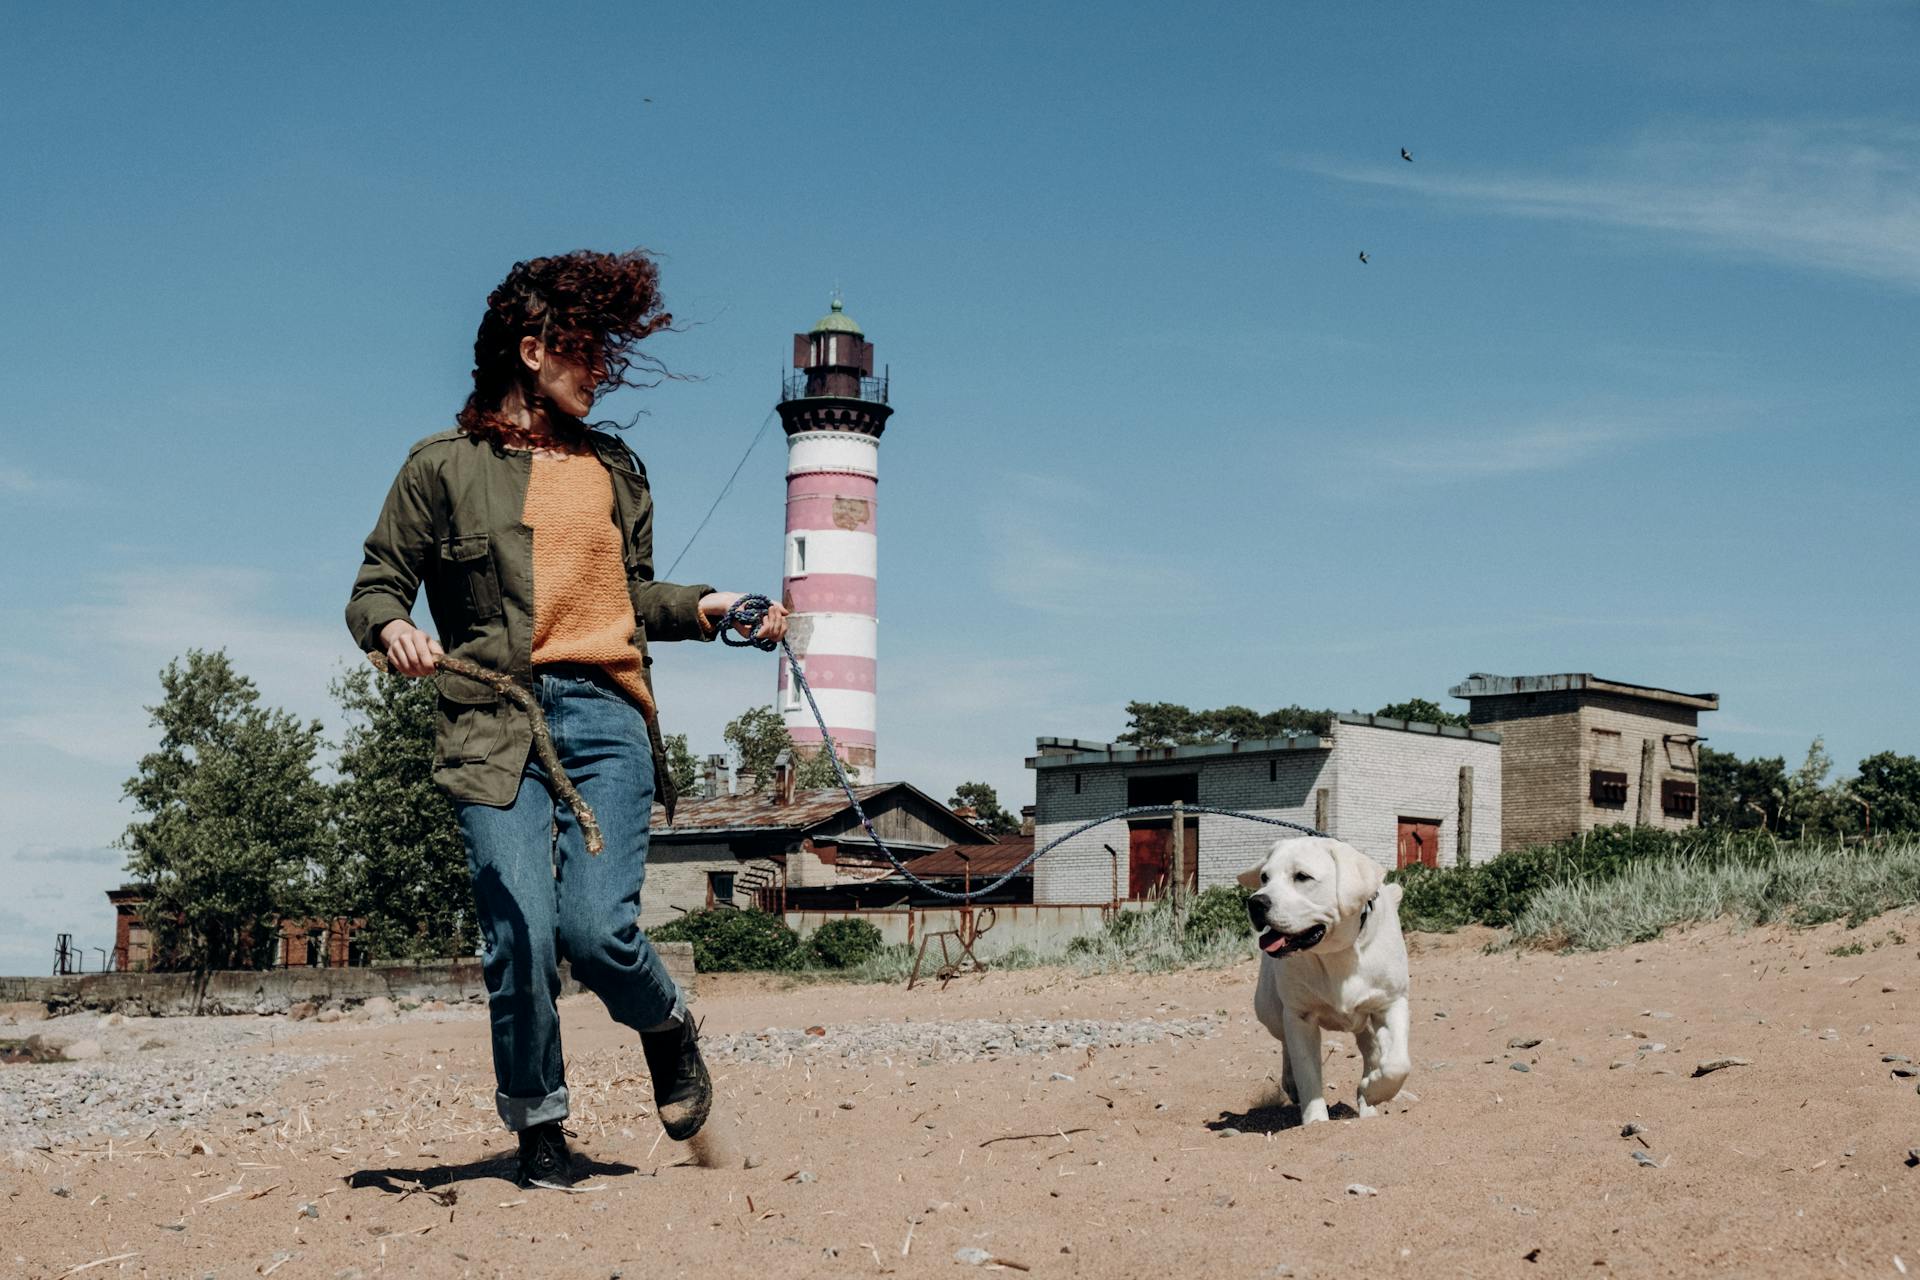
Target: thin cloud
<point x="1051" y="555"/>
<point x="1840" y="197"/>
<point x="72" y="854"/>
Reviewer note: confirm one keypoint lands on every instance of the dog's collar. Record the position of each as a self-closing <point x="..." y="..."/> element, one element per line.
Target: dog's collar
<point x="1365" y="912"/>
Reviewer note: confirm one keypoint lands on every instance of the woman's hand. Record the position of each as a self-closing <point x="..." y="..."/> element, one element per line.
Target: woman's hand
<point x="410" y="650"/>
<point x="714" y="606"/>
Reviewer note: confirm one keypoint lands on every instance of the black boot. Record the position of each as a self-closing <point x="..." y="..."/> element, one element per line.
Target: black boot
<point x="544" y="1158"/>
<point x="682" y="1090"/>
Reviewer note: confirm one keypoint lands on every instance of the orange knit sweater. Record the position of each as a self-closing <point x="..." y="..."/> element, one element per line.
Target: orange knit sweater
<point x="581" y="609"/>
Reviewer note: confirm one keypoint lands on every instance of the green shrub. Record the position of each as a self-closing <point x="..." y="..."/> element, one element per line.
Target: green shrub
<point x="844" y="943"/>
<point x="1495" y="892"/>
<point x="729" y="941"/>
<point x="1216" y="913"/>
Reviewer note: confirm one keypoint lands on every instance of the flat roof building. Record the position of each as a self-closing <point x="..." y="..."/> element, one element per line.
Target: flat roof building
<point x="1398" y="791"/>
<point x="1580" y="752"/>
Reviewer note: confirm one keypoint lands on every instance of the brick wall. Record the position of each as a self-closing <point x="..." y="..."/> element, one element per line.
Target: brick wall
<point x="1229" y="846"/>
<point x="1612" y="729"/>
<point x="1542" y="780"/>
<point x="1373" y="776"/>
<point x="1382" y="775"/>
<point x="1079" y="871"/>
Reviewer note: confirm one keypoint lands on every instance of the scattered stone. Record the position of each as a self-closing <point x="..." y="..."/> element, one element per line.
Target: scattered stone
<point x="1524" y="1042"/>
<point x="1652" y="1046"/>
<point x="1062" y="1077"/>
<point x="971" y="1256"/>
<point x="1361" y="1189"/>
<point x="1913" y="1157"/>
<point x="816" y="1031"/>
<point x="1228" y="1131"/>
<point x="309" y="1210"/>
<point x="1618" y="1063"/>
<point x="302" y="1010"/>
<point x="847" y="1105"/>
<point x="1518" y="1066"/>
<point x="1712" y="1065"/>
<point x="1644" y="1160"/>
<point x="82" y="1050"/>
<point x="806" y="1175"/>
<point x="377" y="1007"/>
<point x="327" y="1015"/>
<point x="63" y="1192"/>
<point x="1631" y="1128"/>
<point x="1895" y="1057"/>
<point x="1660" y="1014"/>
<point x="754" y="1160"/>
<point x="110" y="1020"/>
<point x="1904" y="1072"/>
<point x="22" y="1011"/>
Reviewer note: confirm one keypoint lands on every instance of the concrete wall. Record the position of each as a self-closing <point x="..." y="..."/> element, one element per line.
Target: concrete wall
<point x="677" y="879"/>
<point x="274" y="990"/>
<point x="1044" y="929"/>
<point x="1382" y="775"/>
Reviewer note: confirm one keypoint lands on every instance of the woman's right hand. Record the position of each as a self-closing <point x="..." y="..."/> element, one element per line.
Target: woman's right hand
<point x="410" y="650"/>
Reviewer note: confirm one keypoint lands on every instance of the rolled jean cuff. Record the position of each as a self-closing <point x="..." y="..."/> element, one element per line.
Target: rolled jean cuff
<point x="524" y="1113"/>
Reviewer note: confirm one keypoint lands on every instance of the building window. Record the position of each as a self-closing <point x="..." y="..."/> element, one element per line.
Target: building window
<point x="1609" y="789"/>
<point x="1273" y="771"/>
<point x="791" y="701"/>
<point x="1678" y="797"/>
<point x="1076" y="784"/>
<point x="796" y="555"/>
<point x="719" y="887"/>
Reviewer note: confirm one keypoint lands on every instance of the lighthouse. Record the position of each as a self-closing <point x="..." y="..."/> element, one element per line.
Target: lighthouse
<point x="833" y="409"/>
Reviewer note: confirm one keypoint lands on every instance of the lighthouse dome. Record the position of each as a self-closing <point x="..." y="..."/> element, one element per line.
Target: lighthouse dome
<point x="836" y="321"/>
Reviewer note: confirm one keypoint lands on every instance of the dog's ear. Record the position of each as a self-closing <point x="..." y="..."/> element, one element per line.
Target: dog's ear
<point x="1360" y="877"/>
<point x="1250" y="878"/>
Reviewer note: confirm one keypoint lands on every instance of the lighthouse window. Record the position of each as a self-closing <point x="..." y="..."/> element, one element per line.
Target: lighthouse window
<point x="792" y="692"/>
<point x="796" y="554"/>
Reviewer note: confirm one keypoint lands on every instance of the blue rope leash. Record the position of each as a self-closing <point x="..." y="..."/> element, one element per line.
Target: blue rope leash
<point x="752" y="611"/>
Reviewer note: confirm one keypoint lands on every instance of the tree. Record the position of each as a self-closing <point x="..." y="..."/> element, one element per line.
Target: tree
<point x="1167" y="724"/>
<point x="1889" y="789"/>
<point x="758" y="736"/>
<point x="1739" y="795"/>
<point x="235" y="817"/>
<point x="813" y="770"/>
<point x="396" y="856"/>
<point x="1423" y="712"/>
<point x="985" y="802"/>
<point x="684" y="769"/>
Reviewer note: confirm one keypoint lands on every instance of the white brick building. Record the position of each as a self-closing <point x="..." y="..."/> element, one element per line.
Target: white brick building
<point x="1397" y="791"/>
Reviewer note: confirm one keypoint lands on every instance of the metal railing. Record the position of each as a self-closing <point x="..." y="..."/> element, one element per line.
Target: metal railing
<point x="793" y="386"/>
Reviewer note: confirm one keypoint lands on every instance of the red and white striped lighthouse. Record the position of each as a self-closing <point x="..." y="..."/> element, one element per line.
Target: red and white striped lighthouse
<point x="833" y="410"/>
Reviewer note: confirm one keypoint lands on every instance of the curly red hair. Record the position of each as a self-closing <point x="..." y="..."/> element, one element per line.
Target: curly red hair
<point x="586" y="306"/>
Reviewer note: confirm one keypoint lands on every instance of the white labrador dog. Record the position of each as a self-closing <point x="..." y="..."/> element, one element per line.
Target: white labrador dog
<point x="1335" y="959"/>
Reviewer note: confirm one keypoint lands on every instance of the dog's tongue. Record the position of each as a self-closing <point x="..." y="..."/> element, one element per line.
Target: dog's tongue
<point x="1273" y="942"/>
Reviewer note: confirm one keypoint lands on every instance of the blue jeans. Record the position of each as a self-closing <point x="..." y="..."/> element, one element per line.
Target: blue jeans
<point x="542" y="896"/>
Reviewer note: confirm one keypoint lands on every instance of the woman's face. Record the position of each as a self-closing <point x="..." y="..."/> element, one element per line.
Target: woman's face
<point x="567" y="383"/>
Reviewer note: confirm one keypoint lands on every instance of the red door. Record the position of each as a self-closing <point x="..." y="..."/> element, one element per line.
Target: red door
<point x="1419" y="842"/>
<point x="1150" y="858"/>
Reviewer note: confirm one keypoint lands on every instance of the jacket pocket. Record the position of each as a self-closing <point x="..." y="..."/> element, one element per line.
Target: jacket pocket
<point x="471" y="559"/>
<point x="465" y="733"/>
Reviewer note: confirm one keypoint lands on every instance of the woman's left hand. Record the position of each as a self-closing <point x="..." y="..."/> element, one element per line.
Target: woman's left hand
<point x="715" y="604"/>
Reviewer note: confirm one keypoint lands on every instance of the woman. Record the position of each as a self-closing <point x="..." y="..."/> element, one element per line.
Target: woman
<point x="533" y="535"/>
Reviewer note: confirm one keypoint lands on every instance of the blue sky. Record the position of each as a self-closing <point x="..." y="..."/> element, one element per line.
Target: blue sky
<point x="1628" y="385"/>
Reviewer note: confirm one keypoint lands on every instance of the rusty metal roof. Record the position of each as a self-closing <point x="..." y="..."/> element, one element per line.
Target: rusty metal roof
<point x="756" y="811"/>
<point x="979" y="860"/>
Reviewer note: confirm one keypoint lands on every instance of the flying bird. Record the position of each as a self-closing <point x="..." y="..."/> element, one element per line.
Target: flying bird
<point x="1363" y="256"/>
<point x="1406" y="155"/>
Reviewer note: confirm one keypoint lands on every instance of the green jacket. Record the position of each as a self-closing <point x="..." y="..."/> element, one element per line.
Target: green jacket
<point x="453" y="522"/>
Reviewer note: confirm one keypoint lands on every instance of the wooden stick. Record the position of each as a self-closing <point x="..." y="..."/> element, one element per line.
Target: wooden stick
<point x="542" y="739"/>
